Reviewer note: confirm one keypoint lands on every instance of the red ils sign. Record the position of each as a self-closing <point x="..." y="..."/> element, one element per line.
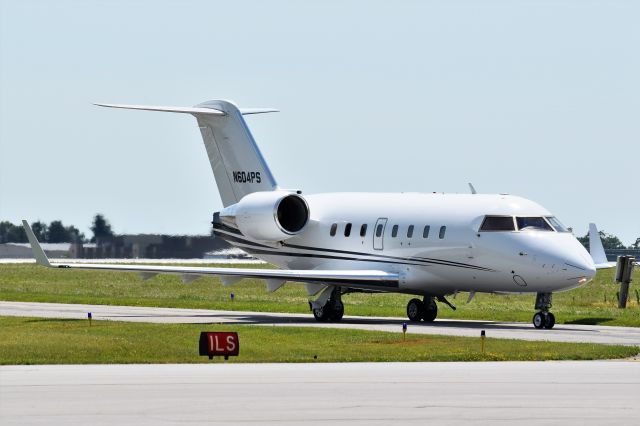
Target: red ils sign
<point x="219" y="343"/>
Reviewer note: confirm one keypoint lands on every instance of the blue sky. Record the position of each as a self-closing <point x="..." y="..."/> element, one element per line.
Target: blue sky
<point x="539" y="99"/>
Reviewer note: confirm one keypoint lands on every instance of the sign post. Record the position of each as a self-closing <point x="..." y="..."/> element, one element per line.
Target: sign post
<point x="624" y="268"/>
<point x="482" y="337"/>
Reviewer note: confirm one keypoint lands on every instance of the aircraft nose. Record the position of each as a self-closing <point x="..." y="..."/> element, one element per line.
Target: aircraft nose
<point x="579" y="262"/>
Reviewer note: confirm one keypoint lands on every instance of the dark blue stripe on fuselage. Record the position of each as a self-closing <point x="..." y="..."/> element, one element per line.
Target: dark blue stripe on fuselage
<point x="415" y="261"/>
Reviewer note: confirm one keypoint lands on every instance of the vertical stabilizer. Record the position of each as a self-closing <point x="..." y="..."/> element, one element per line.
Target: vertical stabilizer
<point x="238" y="166"/>
<point x="236" y="161"/>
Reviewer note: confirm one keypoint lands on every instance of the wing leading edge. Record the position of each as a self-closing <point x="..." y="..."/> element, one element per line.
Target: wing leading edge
<point x="368" y="279"/>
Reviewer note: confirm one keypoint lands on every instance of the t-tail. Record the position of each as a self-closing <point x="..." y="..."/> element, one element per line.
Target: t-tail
<point x="237" y="163"/>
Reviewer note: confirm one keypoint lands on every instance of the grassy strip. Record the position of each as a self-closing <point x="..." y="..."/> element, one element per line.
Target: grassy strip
<point x="594" y="303"/>
<point x="56" y="341"/>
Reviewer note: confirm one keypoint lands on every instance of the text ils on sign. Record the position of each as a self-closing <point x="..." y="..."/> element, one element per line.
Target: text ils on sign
<point x="219" y="343"/>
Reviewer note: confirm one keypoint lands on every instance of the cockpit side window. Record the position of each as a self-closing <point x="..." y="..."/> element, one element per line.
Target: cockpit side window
<point x="533" y="224"/>
<point x="557" y="224"/>
<point x="497" y="223"/>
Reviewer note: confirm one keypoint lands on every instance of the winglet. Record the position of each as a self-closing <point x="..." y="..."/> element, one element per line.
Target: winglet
<point x="473" y="190"/>
<point x="595" y="247"/>
<point x="38" y="253"/>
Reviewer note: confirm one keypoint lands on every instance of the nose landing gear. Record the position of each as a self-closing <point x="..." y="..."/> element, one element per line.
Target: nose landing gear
<point x="544" y="318"/>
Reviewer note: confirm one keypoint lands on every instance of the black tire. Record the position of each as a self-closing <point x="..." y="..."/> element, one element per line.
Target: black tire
<point x="430" y="311"/>
<point x="549" y="321"/>
<point x="539" y="320"/>
<point x="336" y="313"/>
<point x="415" y="310"/>
<point x="321" y="314"/>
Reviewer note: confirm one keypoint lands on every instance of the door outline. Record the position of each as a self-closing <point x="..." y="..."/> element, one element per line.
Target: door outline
<point x="378" y="242"/>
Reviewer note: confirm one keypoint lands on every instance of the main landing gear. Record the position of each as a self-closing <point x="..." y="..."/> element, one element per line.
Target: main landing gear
<point x="544" y="318"/>
<point x="418" y="310"/>
<point x="332" y="310"/>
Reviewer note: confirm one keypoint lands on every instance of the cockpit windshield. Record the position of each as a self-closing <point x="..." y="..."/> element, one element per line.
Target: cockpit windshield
<point x="524" y="223"/>
<point x="497" y="223"/>
<point x="557" y="224"/>
<point x="533" y="224"/>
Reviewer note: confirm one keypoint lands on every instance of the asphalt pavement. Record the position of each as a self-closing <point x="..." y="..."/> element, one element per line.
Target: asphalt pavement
<point x="506" y="330"/>
<point x="475" y="393"/>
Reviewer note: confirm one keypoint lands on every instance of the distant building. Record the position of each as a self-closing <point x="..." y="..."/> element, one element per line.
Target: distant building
<point x="147" y="246"/>
<point x="612" y="254"/>
<point x="23" y="250"/>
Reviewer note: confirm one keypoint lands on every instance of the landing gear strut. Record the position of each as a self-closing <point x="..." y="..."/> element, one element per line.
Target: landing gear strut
<point x="332" y="310"/>
<point x="544" y="318"/>
<point x="418" y="310"/>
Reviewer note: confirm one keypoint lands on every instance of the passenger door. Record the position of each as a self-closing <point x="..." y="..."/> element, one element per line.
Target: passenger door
<point x="378" y="233"/>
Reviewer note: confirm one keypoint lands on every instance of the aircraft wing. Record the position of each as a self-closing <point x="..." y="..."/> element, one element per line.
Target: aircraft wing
<point x="366" y="279"/>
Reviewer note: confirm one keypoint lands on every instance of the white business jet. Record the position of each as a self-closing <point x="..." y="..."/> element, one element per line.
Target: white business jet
<point x="428" y="245"/>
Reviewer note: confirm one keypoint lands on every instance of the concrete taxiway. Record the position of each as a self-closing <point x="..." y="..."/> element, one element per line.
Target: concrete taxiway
<point x="506" y="330"/>
<point x="476" y="393"/>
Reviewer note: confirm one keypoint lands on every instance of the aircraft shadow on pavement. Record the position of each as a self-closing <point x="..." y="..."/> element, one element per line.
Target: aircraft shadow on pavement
<point x="589" y="321"/>
<point x="243" y="318"/>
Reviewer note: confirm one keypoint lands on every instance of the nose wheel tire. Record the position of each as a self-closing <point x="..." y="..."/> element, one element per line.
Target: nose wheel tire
<point x="544" y="320"/>
<point x="550" y="321"/>
<point x="415" y="310"/>
<point x="430" y="311"/>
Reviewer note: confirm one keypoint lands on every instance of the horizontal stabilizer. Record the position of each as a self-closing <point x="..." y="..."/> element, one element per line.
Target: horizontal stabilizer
<point x="188" y="110"/>
<point x="183" y="110"/>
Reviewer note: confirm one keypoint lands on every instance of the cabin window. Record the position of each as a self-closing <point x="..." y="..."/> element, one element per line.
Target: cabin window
<point x="425" y="231"/>
<point x="443" y="229"/>
<point x="379" y="230"/>
<point x="557" y="224"/>
<point x="363" y="230"/>
<point x="347" y="230"/>
<point x="497" y="223"/>
<point x="394" y="231"/>
<point x="410" y="231"/>
<point x="334" y="228"/>
<point x="533" y="224"/>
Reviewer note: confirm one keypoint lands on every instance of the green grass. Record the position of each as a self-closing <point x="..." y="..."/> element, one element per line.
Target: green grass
<point x="594" y="303"/>
<point x="56" y="341"/>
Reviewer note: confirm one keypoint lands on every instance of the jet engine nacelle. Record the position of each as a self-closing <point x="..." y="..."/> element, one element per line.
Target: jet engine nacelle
<point x="268" y="216"/>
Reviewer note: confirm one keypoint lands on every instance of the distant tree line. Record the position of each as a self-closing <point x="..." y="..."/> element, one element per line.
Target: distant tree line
<point x="54" y="232"/>
<point x="609" y="241"/>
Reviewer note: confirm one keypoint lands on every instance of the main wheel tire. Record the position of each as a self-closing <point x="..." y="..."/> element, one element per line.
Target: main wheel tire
<point x="336" y="313"/>
<point x="549" y="321"/>
<point x="415" y="310"/>
<point x="321" y="314"/>
<point x="539" y="320"/>
<point x="430" y="311"/>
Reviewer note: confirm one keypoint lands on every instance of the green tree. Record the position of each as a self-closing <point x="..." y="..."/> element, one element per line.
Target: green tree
<point x="41" y="231"/>
<point x="100" y="228"/>
<point x="17" y="235"/>
<point x="608" y="241"/>
<point x="57" y="233"/>
<point x="10" y="233"/>
<point x="636" y="245"/>
<point x="5" y="228"/>
<point x="74" y="234"/>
